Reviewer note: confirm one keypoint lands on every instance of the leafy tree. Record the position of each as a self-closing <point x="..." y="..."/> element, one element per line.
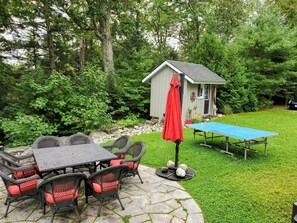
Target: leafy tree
<point x="193" y="16"/>
<point x="136" y="94"/>
<point x="82" y="33"/>
<point x="133" y="61"/>
<point x="289" y="9"/>
<point x="38" y="35"/>
<point x="210" y="52"/>
<point x="100" y="13"/>
<point x="115" y="24"/>
<point x="223" y="60"/>
<point x="237" y="93"/>
<point x="4" y="15"/>
<point x="160" y="24"/>
<point x="268" y="48"/>
<point x="225" y="16"/>
<point x="160" y="21"/>
<point x="130" y="34"/>
<point x="6" y="83"/>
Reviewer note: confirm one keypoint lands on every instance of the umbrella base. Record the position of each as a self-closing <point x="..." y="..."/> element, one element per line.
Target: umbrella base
<point x="170" y="175"/>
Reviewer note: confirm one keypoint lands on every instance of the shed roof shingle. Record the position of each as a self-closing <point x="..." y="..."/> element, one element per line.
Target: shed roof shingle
<point x="197" y="72"/>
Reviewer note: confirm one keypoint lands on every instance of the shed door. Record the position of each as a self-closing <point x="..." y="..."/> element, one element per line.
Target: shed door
<point x="206" y="99"/>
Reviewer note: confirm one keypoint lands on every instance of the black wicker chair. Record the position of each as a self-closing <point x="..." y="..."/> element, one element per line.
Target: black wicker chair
<point x="20" y="159"/>
<point x="120" y="144"/>
<point x="132" y="157"/>
<point x="78" y="139"/>
<point x="18" y="189"/>
<point x="17" y="170"/>
<point x="61" y="192"/>
<point x="118" y="147"/>
<point x="105" y="183"/>
<point x="46" y="142"/>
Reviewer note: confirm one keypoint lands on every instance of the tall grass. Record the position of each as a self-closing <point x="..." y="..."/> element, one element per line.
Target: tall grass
<point x="261" y="189"/>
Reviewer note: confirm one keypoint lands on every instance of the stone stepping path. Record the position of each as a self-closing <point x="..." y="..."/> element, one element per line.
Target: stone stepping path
<point x="157" y="200"/>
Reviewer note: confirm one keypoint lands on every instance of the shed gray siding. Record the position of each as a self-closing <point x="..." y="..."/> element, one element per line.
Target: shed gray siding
<point x="197" y="106"/>
<point x="160" y="84"/>
<point x="198" y="102"/>
<point x="194" y="74"/>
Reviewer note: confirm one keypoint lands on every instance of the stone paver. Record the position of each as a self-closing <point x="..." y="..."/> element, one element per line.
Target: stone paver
<point x="156" y="200"/>
<point x="195" y="218"/>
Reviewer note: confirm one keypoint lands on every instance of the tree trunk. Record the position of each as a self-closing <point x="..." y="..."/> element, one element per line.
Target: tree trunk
<point x="105" y="30"/>
<point x="35" y="56"/>
<point x="82" y="47"/>
<point x="50" y="40"/>
<point x="51" y="49"/>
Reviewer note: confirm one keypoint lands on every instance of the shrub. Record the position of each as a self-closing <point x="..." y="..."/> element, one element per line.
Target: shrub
<point x="130" y="120"/>
<point x="70" y="103"/>
<point x="197" y="119"/>
<point x="74" y="104"/>
<point x="227" y="110"/>
<point x="24" y="129"/>
<point x="85" y="113"/>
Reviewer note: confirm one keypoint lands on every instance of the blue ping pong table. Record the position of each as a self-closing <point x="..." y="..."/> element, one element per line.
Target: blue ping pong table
<point x="247" y="136"/>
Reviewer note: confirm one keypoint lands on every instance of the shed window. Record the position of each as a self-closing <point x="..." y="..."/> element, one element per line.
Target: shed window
<point x="200" y="91"/>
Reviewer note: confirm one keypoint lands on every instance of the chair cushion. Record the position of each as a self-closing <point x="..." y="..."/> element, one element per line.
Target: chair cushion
<point x="118" y="162"/>
<point x="60" y="196"/>
<point x="26" y="186"/>
<point x="24" y="173"/>
<point x="108" y="177"/>
<point x="121" y="156"/>
<point x="108" y="186"/>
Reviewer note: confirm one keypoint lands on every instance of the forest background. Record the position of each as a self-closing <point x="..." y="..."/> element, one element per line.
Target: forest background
<point x="75" y="66"/>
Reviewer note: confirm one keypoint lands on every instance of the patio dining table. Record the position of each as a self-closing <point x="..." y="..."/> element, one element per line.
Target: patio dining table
<point x="54" y="158"/>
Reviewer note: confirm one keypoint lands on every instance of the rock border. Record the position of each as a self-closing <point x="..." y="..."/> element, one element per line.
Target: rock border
<point x="118" y="131"/>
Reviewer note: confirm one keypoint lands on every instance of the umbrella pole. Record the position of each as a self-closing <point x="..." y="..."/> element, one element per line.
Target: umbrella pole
<point x="177" y="142"/>
<point x="181" y="90"/>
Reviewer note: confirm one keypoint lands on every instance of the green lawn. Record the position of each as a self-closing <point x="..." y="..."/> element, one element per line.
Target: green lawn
<point x="230" y="190"/>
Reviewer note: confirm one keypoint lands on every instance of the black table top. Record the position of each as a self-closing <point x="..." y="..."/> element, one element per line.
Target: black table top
<point x="54" y="158"/>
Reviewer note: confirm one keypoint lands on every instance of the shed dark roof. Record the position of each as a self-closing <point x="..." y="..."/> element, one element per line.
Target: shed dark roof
<point x="197" y="72"/>
<point x="194" y="73"/>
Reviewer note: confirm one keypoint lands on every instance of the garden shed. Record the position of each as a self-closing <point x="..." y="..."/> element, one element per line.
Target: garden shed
<point x="199" y="89"/>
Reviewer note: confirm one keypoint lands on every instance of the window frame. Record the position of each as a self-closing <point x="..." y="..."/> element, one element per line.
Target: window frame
<point x="200" y="91"/>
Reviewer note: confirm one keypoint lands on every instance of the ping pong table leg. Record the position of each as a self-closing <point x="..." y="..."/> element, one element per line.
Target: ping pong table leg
<point x="227" y="147"/>
<point x="194" y="133"/>
<point x="265" y="146"/>
<point x="227" y="144"/>
<point x="245" y="150"/>
<point x="205" y="137"/>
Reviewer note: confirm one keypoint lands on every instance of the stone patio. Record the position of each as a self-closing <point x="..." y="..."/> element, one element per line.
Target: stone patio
<point x="157" y="200"/>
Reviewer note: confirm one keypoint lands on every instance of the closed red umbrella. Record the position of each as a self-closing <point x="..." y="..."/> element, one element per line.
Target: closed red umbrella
<point x="172" y="128"/>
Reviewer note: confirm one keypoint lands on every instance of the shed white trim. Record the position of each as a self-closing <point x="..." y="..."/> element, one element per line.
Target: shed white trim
<point x="189" y="79"/>
<point x="160" y="67"/>
<point x="207" y="82"/>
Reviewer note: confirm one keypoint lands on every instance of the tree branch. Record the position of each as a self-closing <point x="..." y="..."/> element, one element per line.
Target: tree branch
<point x="96" y="30"/>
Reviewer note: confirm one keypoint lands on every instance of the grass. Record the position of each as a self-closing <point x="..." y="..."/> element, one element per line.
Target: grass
<point x="261" y="189"/>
